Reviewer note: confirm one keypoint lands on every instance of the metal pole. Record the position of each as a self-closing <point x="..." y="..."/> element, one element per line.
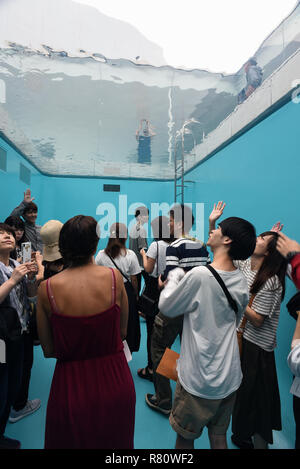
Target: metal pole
<point x="175" y="172"/>
<point x="182" y="164"/>
<point x="182" y="158"/>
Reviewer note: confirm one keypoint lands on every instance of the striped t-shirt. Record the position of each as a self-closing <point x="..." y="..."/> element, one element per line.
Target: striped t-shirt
<point x="267" y="303"/>
<point x="185" y="253"/>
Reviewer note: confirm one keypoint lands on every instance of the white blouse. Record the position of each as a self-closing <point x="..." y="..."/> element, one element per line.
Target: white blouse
<point x="127" y="263"/>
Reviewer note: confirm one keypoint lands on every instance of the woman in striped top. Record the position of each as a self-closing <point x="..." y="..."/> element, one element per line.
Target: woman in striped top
<point x="257" y="408"/>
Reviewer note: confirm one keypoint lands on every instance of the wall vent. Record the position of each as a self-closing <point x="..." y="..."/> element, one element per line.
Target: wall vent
<point x="25" y="174"/>
<point x="111" y="188"/>
<point x="3" y="159"/>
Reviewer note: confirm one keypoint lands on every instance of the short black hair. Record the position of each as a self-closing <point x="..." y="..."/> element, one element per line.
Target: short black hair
<point x="16" y="222"/>
<point x="252" y="61"/>
<point x="243" y="236"/>
<point x="161" y="229"/>
<point x="78" y="240"/>
<point x="141" y="211"/>
<point x="182" y="213"/>
<point x="8" y="229"/>
<point x="31" y="206"/>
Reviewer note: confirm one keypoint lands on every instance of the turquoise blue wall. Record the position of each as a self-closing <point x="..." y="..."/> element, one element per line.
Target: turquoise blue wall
<point x="61" y="198"/>
<point x="258" y="177"/>
<point x="11" y="187"/>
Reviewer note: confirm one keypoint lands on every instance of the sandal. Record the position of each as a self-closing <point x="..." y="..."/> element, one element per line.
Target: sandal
<point x="145" y="374"/>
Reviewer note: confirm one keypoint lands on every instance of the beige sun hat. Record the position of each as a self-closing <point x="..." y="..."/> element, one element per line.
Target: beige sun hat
<point x="50" y="236"/>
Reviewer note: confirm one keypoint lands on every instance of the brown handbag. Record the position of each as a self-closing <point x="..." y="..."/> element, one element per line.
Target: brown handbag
<point x="241" y="329"/>
<point x="168" y="364"/>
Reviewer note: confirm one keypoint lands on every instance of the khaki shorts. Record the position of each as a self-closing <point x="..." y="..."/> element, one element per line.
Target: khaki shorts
<point x="190" y="414"/>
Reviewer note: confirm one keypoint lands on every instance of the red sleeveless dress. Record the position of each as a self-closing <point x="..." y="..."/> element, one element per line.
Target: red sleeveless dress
<point x="92" y="398"/>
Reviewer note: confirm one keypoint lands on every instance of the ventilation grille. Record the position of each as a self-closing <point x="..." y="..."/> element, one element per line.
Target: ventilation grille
<point x="3" y="159"/>
<point x="25" y="174"/>
<point x="111" y="188"/>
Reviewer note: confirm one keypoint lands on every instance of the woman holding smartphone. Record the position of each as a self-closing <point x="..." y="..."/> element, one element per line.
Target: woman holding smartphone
<point x="17" y="285"/>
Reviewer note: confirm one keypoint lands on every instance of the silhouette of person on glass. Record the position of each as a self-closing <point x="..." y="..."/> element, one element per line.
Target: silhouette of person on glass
<point x="143" y="135"/>
<point x="254" y="76"/>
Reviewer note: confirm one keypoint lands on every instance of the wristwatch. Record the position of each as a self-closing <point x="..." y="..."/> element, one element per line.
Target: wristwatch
<point x="291" y="254"/>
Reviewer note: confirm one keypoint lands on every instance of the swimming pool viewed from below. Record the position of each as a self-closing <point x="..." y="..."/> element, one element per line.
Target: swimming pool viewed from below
<point x="89" y="115"/>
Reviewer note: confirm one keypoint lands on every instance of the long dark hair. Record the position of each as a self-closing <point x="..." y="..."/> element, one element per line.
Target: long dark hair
<point x="117" y="240"/>
<point x="274" y="264"/>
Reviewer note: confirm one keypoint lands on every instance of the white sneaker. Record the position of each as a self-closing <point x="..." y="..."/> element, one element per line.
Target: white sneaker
<point x="30" y="407"/>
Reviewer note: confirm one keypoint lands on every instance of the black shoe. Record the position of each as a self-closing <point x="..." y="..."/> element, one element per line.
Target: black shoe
<point x="9" y="443"/>
<point x="145" y="374"/>
<point x="242" y="444"/>
<point x="152" y="402"/>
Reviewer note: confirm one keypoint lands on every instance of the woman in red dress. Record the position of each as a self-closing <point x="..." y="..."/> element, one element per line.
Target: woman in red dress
<point x="82" y="318"/>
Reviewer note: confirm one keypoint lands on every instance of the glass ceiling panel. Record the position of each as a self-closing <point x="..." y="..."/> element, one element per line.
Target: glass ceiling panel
<point x="79" y="116"/>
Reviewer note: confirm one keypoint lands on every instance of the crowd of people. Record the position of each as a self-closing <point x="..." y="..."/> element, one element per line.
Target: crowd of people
<point x="84" y="308"/>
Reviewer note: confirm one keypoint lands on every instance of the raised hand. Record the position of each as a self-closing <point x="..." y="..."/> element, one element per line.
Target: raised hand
<point x="277" y="227"/>
<point x="27" y="196"/>
<point x="285" y="245"/>
<point x="217" y="211"/>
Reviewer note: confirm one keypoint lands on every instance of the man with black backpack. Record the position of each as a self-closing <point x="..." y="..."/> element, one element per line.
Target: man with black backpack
<point x="213" y="300"/>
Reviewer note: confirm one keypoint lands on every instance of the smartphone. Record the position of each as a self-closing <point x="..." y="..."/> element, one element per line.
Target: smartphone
<point x="26" y="252"/>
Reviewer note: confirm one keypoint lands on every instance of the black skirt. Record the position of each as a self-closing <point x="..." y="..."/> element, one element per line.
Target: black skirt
<point x="257" y="407"/>
<point x="133" y="337"/>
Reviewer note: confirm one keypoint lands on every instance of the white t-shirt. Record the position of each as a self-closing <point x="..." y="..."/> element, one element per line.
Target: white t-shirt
<point x="294" y="364"/>
<point x="152" y="253"/>
<point x="127" y="263"/>
<point x="209" y="365"/>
